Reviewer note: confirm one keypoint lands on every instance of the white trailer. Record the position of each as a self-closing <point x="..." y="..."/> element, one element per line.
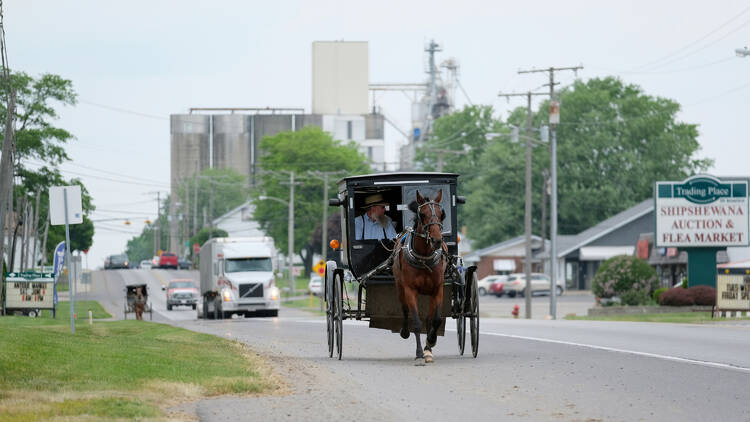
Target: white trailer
<point x="237" y="277"/>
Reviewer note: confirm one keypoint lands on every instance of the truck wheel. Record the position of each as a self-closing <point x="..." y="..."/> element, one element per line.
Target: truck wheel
<point x="169" y="307"/>
<point x="205" y="309"/>
<point x="194" y="306"/>
<point x="218" y="314"/>
<point x="273" y="313"/>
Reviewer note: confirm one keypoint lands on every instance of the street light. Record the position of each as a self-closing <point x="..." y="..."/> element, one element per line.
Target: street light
<point x="290" y="238"/>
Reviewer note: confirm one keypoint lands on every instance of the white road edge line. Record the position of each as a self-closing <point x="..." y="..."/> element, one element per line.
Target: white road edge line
<point x="631" y="352"/>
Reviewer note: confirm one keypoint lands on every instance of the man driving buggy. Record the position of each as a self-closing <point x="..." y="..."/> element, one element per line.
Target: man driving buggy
<point x="374" y="223"/>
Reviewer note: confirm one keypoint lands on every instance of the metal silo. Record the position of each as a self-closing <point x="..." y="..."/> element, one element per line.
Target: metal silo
<point x="231" y="146"/>
<point x="190" y="146"/>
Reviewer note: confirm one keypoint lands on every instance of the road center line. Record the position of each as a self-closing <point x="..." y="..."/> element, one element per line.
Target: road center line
<point x="631" y="352"/>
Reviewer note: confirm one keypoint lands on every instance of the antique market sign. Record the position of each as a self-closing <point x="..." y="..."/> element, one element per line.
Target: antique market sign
<point x="701" y="211"/>
<point x="29" y="290"/>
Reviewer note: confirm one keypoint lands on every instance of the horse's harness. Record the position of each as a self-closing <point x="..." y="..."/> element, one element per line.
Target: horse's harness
<point x="415" y="259"/>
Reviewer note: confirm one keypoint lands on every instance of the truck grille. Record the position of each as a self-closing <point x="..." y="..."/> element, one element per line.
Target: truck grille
<point x="182" y="296"/>
<point x="251" y="290"/>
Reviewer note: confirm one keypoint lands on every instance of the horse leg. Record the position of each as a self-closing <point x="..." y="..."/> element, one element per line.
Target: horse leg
<point x="411" y="301"/>
<point x="405" y="325"/>
<point x="433" y="321"/>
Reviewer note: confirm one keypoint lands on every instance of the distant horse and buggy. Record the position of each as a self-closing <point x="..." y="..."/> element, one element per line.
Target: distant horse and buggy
<point x="411" y="284"/>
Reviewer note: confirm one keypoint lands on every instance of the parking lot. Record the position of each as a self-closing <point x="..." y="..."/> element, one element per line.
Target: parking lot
<point x="571" y="302"/>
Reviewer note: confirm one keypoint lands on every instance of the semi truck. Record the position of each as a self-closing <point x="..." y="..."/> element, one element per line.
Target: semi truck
<point x="238" y="277"/>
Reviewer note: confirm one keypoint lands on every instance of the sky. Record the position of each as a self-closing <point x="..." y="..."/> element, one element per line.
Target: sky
<point x="134" y="63"/>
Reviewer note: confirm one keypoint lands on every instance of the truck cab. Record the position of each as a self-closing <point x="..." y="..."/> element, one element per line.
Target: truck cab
<point x="237" y="277"/>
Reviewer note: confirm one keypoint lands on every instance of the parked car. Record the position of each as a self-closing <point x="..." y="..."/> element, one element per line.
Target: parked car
<point x="168" y="260"/>
<point x="315" y="286"/>
<point x="182" y="292"/>
<point x="184" y="263"/>
<point x="496" y="288"/>
<point x="539" y="283"/>
<point x="483" y="285"/>
<point x="116" y="261"/>
<point x="146" y="264"/>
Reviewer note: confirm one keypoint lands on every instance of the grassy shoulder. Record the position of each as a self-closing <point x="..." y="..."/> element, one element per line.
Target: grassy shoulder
<point x="81" y="310"/>
<point x="117" y="369"/>
<point x="679" y="317"/>
<point x="312" y="305"/>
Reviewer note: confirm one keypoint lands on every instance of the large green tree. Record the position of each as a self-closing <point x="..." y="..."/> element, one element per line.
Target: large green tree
<point x="307" y="153"/>
<point x="614" y="141"/>
<point x="41" y="148"/>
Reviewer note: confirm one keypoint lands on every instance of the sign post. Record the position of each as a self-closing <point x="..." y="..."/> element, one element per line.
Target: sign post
<point x="701" y="215"/>
<point x="65" y="208"/>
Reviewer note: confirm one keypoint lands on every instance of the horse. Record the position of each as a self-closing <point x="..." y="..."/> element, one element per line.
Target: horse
<point x="419" y="268"/>
<point x="140" y="304"/>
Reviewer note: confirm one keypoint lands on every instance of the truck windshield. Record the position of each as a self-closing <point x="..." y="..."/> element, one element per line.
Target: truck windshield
<point x="247" y="264"/>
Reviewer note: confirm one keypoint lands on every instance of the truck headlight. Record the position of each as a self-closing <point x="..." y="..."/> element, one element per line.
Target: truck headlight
<point x="227" y="294"/>
<point x="274" y="293"/>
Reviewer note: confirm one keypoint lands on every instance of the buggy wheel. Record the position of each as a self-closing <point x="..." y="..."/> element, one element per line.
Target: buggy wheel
<point x="338" y="300"/>
<point x="205" y="309"/>
<point x="150" y="312"/>
<point x="461" y="331"/>
<point x="474" y="315"/>
<point x="125" y="312"/>
<point x="328" y="294"/>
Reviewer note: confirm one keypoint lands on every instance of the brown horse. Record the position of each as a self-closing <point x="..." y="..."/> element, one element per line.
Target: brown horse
<point x="139" y="304"/>
<point x="419" y="268"/>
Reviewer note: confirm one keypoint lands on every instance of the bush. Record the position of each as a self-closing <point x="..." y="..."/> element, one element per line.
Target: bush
<point x="677" y="297"/>
<point x="703" y="295"/>
<point x="658" y="292"/>
<point x="635" y="298"/>
<point x="621" y="274"/>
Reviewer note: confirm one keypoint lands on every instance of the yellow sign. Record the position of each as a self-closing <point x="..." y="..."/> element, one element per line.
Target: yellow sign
<point x="320" y="267"/>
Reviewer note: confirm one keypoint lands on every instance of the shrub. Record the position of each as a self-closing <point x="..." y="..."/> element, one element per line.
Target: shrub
<point x="621" y="274"/>
<point x="658" y="292"/>
<point x="677" y="297"/>
<point x="635" y="298"/>
<point x="703" y="295"/>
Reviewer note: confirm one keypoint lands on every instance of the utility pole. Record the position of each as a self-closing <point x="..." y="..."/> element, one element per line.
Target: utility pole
<point x="527" y="215"/>
<point x="195" y="200"/>
<point x="35" y="231"/>
<point x="9" y="149"/>
<point x="553" y="174"/>
<point x="545" y="187"/>
<point x="157" y="235"/>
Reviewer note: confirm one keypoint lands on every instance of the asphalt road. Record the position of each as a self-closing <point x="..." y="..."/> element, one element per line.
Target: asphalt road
<point x="530" y="370"/>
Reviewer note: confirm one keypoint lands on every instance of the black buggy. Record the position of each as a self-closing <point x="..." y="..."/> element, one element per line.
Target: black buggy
<point x="370" y="295"/>
<point x="131" y="292"/>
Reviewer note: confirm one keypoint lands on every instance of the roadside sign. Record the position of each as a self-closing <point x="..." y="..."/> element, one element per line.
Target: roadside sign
<point x="701" y="211"/>
<point x="196" y="248"/>
<point x="554" y="112"/>
<point x="57" y="205"/>
<point x="29" y="290"/>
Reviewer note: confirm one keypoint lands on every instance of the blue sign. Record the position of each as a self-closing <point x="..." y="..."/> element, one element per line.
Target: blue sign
<point x="417" y="133"/>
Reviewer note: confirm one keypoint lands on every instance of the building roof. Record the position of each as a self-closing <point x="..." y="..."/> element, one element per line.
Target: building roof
<point x="230" y="213"/>
<point x="476" y="255"/>
<point x="569" y="243"/>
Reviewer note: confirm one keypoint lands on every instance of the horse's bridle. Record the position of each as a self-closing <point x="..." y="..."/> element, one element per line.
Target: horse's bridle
<point x="433" y="220"/>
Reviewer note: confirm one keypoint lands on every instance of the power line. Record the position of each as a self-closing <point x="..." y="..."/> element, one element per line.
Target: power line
<point x="679" y="50"/>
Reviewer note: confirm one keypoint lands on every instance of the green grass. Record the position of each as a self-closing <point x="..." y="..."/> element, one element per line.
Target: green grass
<point x="81" y="310"/>
<point x="135" y="364"/>
<point x="63" y="286"/>
<point x="679" y="317"/>
<point x="304" y="304"/>
<point x="300" y="283"/>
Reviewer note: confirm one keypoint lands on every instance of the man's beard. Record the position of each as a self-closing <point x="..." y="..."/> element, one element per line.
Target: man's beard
<point x="383" y="221"/>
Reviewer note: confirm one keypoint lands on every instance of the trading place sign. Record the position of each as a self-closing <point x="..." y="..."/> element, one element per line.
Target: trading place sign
<point x="702" y="212"/>
<point x="29" y="290"/>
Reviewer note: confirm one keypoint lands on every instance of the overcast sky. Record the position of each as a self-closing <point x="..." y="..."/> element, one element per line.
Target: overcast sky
<point x="155" y="58"/>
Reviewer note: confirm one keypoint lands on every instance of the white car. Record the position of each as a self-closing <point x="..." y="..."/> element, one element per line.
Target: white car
<point x="540" y="282"/>
<point x="316" y="285"/>
<point x="483" y="285"/>
<point x="146" y="264"/>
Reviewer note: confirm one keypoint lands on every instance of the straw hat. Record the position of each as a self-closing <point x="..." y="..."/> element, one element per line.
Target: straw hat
<point x="374" y="199"/>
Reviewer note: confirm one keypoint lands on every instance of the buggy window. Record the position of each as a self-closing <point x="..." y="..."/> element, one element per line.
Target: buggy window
<point x="430" y="191"/>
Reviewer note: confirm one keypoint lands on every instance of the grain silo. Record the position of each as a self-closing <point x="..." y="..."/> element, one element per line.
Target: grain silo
<point x="190" y="146"/>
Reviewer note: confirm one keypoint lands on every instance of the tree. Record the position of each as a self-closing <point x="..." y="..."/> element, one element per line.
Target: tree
<point x="205" y="233"/>
<point x="307" y="150"/>
<point x="614" y="141"/>
<point x="42" y="146"/>
<point x="141" y="247"/>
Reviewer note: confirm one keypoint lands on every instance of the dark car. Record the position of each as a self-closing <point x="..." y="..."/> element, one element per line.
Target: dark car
<point x="117" y="261"/>
<point x="168" y="260"/>
<point x="184" y="263"/>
